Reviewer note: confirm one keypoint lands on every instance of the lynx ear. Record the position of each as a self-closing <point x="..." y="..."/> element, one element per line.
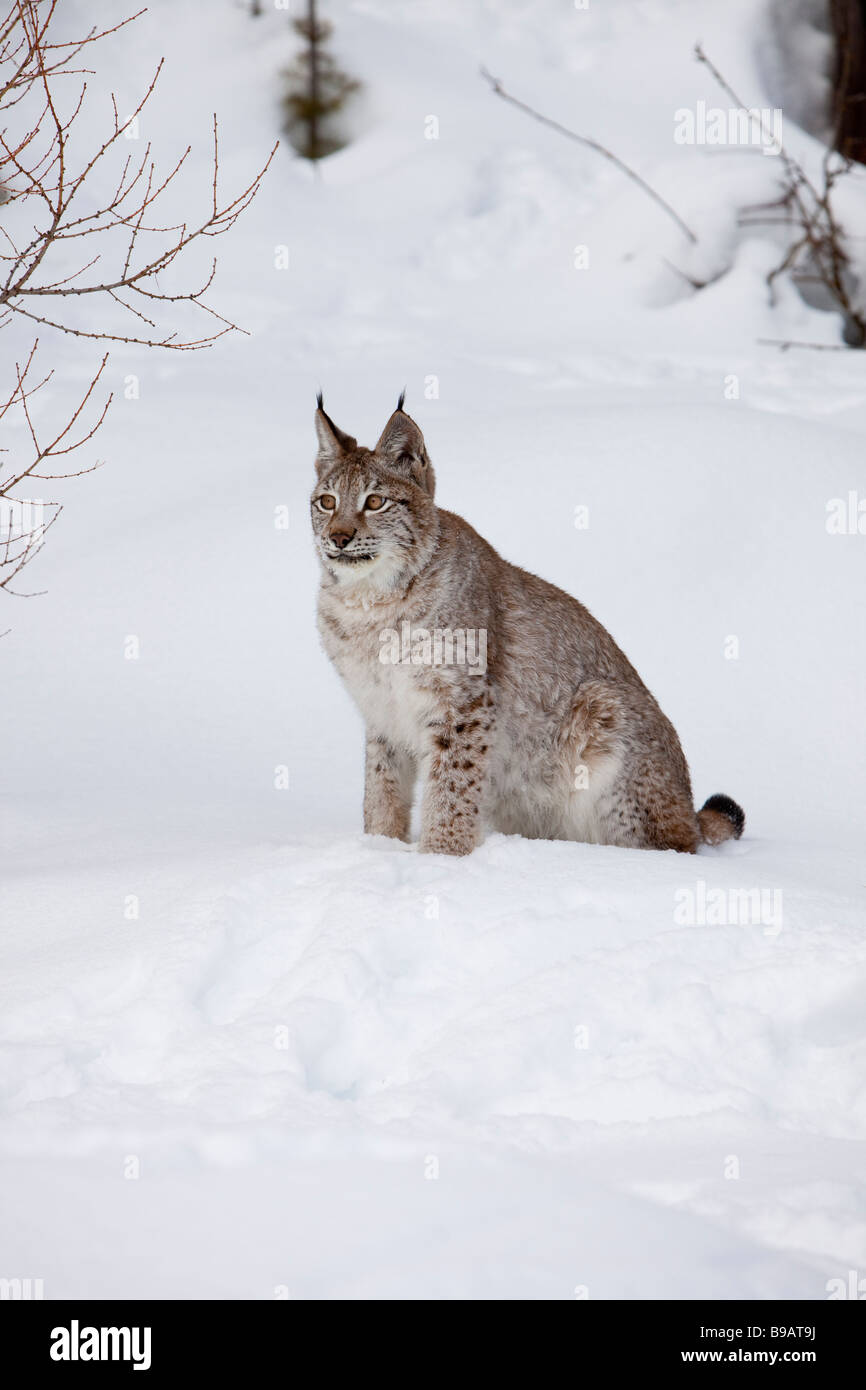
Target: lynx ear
<point x="333" y="443"/>
<point x="402" y="444"/>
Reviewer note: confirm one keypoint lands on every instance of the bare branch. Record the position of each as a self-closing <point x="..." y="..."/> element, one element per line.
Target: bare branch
<point x="590" y="144"/>
<point x="785" y="343"/>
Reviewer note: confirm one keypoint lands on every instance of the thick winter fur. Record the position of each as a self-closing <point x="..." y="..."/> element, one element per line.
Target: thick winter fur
<point x="557" y="739"/>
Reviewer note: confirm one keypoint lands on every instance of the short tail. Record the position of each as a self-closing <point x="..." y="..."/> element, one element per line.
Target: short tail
<point x="720" y="818"/>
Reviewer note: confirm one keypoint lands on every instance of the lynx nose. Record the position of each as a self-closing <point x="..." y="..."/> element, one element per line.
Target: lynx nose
<point x="341" y="538"/>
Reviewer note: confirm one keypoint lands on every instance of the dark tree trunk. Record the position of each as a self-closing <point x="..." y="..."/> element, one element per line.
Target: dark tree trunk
<point x="314" y="81"/>
<point x="848" y="21"/>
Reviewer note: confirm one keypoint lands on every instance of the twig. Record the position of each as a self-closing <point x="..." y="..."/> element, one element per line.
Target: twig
<point x="590" y="144"/>
<point x="785" y="343"/>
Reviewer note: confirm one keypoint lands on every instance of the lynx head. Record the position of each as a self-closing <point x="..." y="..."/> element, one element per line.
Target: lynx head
<point x="374" y="518"/>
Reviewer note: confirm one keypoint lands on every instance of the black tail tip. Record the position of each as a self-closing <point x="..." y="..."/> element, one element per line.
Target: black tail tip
<point x="402" y="399"/>
<point x="320" y="401"/>
<point x="728" y="808"/>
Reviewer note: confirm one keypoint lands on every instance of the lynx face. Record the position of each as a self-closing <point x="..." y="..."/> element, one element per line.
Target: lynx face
<point x="372" y="510"/>
<point x="362" y="517"/>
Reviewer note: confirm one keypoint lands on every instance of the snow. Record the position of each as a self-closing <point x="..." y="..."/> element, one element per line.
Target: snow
<point x="247" y="1052"/>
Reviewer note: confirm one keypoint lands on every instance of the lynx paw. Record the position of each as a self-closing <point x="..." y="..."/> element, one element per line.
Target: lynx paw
<point x="444" y="842"/>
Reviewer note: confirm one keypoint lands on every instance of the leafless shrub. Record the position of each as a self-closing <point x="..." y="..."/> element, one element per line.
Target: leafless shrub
<point x="816" y="255"/>
<point x="81" y="223"/>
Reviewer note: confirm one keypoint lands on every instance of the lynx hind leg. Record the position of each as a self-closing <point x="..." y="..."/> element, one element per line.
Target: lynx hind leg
<point x="647" y="808"/>
<point x="623" y="795"/>
<point x="592" y="751"/>
<point x="388" y="784"/>
<point x="669" y="820"/>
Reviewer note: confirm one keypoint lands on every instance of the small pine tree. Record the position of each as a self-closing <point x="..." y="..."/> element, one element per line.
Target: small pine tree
<point x="316" y="90"/>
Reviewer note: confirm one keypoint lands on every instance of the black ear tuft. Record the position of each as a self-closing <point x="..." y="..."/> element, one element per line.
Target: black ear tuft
<point x="402" y="399"/>
<point x="319" y="401"/>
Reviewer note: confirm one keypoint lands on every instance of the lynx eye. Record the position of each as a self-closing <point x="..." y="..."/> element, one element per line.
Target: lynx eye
<point x="327" y="502"/>
<point x="374" y="502"/>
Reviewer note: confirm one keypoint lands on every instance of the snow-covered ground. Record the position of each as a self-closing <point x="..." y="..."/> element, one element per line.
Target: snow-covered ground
<point x="247" y="1052"/>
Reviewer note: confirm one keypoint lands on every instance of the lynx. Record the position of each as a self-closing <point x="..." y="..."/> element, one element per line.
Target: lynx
<point x="552" y="735"/>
